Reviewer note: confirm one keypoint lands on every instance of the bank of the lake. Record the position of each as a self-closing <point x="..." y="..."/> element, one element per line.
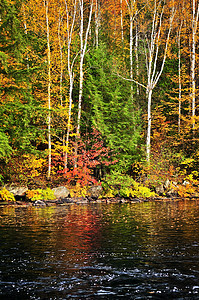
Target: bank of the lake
<point x="125" y="191"/>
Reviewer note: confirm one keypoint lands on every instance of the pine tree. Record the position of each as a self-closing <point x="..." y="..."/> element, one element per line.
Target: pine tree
<point x="17" y="107"/>
<point x="113" y="112"/>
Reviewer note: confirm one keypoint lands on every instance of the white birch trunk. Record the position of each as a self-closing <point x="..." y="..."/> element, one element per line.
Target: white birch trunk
<point x="121" y="22"/>
<point x="132" y="14"/>
<point x="96" y="24"/>
<point x="131" y="51"/>
<point x="83" y="45"/>
<point x="61" y="60"/>
<point x="179" y="79"/>
<point x="70" y="28"/>
<point x="49" y="89"/>
<point x="136" y="57"/>
<point x="195" y="13"/>
<point x="25" y="30"/>
<point x="152" y="58"/>
<point x="148" y="139"/>
<point x="151" y="61"/>
<point x="71" y="77"/>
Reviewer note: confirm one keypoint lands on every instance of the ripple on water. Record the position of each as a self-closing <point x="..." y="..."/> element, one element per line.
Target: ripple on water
<point x="142" y="251"/>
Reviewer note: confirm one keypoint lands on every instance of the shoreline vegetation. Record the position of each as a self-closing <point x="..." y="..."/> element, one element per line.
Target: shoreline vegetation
<point x="130" y="192"/>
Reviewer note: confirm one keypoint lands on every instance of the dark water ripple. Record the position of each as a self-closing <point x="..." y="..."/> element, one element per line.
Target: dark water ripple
<point x="142" y="251"/>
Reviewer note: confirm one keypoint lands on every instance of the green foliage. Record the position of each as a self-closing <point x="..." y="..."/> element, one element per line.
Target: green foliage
<point x="5" y="149"/>
<point x="113" y="111"/>
<point x="40" y="194"/>
<point x="48" y="194"/>
<point x="1" y="179"/>
<point x="140" y="191"/>
<point x="5" y="195"/>
<point x="118" y="180"/>
<point x="125" y="186"/>
<point x="18" y="109"/>
<point x="3" y="60"/>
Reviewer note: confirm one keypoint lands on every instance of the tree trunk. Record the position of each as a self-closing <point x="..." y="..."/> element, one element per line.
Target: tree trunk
<point x="179" y="79"/>
<point x="97" y="24"/>
<point x="70" y="27"/>
<point x="121" y="22"/>
<point x="193" y="59"/>
<point x="136" y="57"/>
<point x="69" y="123"/>
<point x="49" y="90"/>
<point x="148" y="140"/>
<point x="25" y="30"/>
<point x="131" y="49"/>
<point x="61" y="62"/>
<point x="151" y="61"/>
<point x="83" y="45"/>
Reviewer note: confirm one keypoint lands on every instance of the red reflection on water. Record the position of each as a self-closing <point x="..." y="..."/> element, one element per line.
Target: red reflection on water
<point x="79" y="234"/>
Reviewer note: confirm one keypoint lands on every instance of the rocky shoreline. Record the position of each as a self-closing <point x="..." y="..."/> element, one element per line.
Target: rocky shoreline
<point x="61" y="195"/>
<point x="69" y="201"/>
<point x="88" y="200"/>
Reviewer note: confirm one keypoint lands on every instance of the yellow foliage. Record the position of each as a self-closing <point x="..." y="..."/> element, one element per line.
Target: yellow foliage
<point x="5" y="195"/>
<point x="78" y="191"/>
<point x="33" y="164"/>
<point x="190" y="177"/>
<point x="110" y="193"/>
<point x="140" y="191"/>
<point x="40" y="194"/>
<point x="184" y="191"/>
<point x="145" y="192"/>
<point x="188" y="161"/>
<point x="33" y="194"/>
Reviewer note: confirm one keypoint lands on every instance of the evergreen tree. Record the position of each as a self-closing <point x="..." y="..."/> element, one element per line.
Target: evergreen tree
<point x="17" y="107"/>
<point x="112" y="110"/>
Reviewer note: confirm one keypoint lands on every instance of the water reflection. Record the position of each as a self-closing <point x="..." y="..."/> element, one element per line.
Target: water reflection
<point x="137" y="251"/>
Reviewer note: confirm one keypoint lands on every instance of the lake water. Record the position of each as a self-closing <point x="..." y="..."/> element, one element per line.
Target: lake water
<point x="100" y="251"/>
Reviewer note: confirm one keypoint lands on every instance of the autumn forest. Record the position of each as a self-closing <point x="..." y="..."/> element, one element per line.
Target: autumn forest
<point x="95" y="91"/>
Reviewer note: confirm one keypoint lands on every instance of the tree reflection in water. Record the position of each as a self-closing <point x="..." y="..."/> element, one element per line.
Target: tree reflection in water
<point x="98" y="250"/>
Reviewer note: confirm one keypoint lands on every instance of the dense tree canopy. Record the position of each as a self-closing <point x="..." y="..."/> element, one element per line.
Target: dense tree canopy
<point x="126" y="68"/>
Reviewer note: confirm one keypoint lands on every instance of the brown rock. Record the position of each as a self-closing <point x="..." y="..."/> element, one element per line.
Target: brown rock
<point x="17" y="190"/>
<point x="95" y="191"/>
<point x="159" y="189"/>
<point x="61" y="192"/>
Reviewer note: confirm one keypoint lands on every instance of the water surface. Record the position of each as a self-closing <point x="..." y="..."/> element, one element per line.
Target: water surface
<point x="98" y="251"/>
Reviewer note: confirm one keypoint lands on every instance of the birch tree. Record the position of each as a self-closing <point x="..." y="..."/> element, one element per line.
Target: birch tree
<point x="154" y="58"/>
<point x="152" y="55"/>
<point x="71" y="17"/>
<point x="179" y="78"/>
<point x="46" y="5"/>
<point x="136" y="56"/>
<point x="25" y="29"/>
<point x="121" y="22"/>
<point x="179" y="25"/>
<point x="61" y="40"/>
<point x="83" y="45"/>
<point x="195" y="13"/>
<point x="132" y="12"/>
<point x="133" y="20"/>
<point x="97" y="22"/>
